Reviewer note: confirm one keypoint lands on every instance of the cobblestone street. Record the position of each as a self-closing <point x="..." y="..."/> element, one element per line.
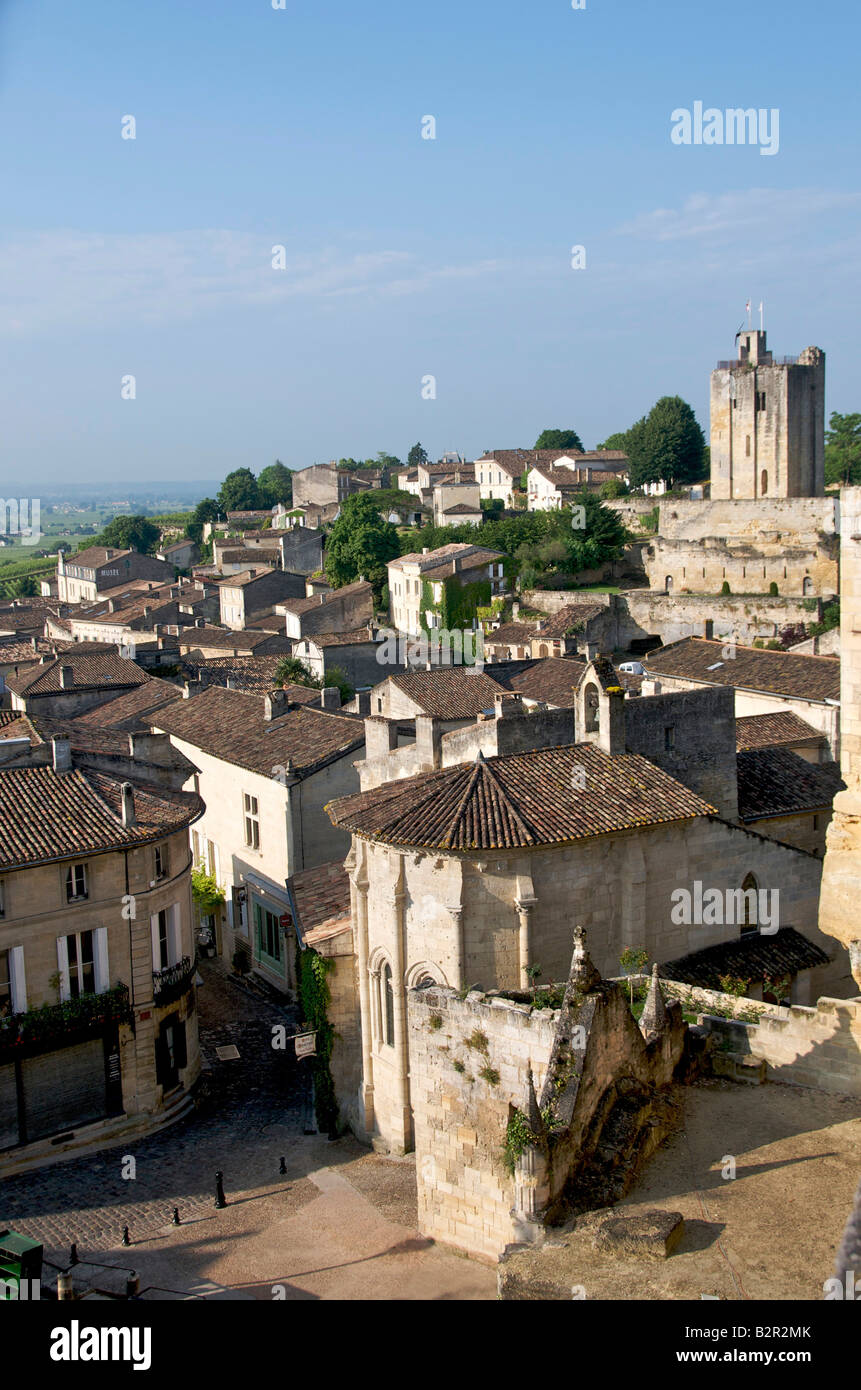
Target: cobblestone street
<point x="87" y="1200"/>
<point x="339" y="1224"/>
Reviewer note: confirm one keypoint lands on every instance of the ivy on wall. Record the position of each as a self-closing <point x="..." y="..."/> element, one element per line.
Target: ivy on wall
<point x="459" y="603"/>
<point x="315" y="997"/>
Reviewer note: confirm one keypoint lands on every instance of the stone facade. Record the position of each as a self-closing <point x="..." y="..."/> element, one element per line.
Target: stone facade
<point x="768" y="423"/>
<point x="841" y="883"/>
<point x="818" y="1046"/>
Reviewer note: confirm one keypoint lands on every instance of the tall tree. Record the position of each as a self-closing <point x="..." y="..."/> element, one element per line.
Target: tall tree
<point x="239" y="492"/>
<point x="416" y="456"/>
<point x="128" y="533"/>
<point x="360" y="542"/>
<point x="559" y="439"/>
<point x="275" y="484"/>
<point x="843" y="449"/>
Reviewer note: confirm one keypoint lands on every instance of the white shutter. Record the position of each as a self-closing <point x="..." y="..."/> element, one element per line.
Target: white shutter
<point x="63" y="967"/>
<point x="17" y="981"/>
<point x="174" y="934"/>
<point x="217" y="863"/>
<point x="100" y="959"/>
<point x="156" y="949"/>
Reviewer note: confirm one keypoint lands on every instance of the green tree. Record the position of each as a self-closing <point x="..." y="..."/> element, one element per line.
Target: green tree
<point x="361" y="543"/>
<point x="275" y="484"/>
<point x="614" y="487"/>
<point x="206" y="510"/>
<point x="291" y="671"/>
<point x="559" y="439"/>
<point x="668" y="446"/>
<point x="25" y="587"/>
<point x="843" y="449"/>
<point x="416" y="456"/>
<point x="239" y="492"/>
<point x="128" y="533"/>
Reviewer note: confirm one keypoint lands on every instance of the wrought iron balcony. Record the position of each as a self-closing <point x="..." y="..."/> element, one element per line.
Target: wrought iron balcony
<point x="174" y="981"/>
<point x="59" y="1025"/>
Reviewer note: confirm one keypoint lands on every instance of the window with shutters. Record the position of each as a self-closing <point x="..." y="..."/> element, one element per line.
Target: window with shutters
<point x="80" y="964"/>
<point x="76" y="883"/>
<point x="252" y="821"/>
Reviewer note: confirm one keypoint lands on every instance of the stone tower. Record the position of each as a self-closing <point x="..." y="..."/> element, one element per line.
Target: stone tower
<point x="841" y="869"/>
<point x="768" y="423"/>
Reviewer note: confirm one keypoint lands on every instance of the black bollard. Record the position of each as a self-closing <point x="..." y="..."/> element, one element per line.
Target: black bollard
<point x="73" y="1254"/>
<point x="176" y="1220"/>
<point x="126" y="1240"/>
<point x="219" y="1191"/>
<point x="133" y="1285"/>
<point x="283" y="1167"/>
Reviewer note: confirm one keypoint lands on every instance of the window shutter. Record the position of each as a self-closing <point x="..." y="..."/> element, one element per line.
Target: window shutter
<point x="18" y="983"/>
<point x="63" y="967"/>
<point x="157" y="963"/>
<point x="174" y="934"/>
<point x="100" y="959"/>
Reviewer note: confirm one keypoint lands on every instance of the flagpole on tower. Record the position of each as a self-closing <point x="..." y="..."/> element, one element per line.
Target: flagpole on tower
<point x="760" y="316"/>
<point x="747" y="308"/>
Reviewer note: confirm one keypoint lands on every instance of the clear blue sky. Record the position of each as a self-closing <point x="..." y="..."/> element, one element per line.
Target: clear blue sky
<point x="405" y="257"/>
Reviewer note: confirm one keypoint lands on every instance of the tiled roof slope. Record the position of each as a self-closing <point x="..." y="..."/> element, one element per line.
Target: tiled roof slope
<point x="551" y="678"/>
<point x="752" y="668"/>
<point x="240" y="640"/>
<point x="511" y="635"/>
<point x="770" y="730"/>
<point x="449" y="692"/>
<point x="572" y="618"/>
<point x="91" y="670"/>
<point x="752" y="957"/>
<point x="229" y="724"/>
<point x="776" y="781"/>
<point x="127" y="711"/>
<point x="518" y="800"/>
<point x="321" y="900"/>
<point x="46" y="816"/>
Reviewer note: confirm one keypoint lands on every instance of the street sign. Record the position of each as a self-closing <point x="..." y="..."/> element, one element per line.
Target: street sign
<point x="306" y="1044"/>
<point x="285" y="920"/>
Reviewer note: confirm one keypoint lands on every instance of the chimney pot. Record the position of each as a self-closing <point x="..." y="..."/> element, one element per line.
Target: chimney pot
<point x="274" y="705"/>
<point x="67" y="677"/>
<point x="128" y="795"/>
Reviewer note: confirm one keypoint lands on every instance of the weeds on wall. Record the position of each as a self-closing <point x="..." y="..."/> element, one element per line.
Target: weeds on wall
<point x="315" y="998"/>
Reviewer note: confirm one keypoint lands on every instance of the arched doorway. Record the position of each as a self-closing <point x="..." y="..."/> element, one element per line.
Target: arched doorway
<point x="807" y="585"/>
<point x="668" y="583"/>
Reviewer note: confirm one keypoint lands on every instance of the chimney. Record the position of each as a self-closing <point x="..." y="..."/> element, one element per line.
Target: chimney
<point x="35" y="643"/>
<point x="515" y="610"/>
<point x="425" y="550"/>
<point x="428" y="735"/>
<point x="709" y="629"/>
<point x="505" y="704"/>
<point x="112" y="605"/>
<point x="231" y="683"/>
<point x="650" y="687"/>
<point x="363" y="702"/>
<point x="330" y="697"/>
<point x="62" y="754"/>
<point x="186" y="691"/>
<point x="200" y="622"/>
<point x="67" y="677"/>
<point x="274" y="705"/>
<point x="128" y="795"/>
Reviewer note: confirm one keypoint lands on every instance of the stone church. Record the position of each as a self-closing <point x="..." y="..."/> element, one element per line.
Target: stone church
<point x="475" y="871"/>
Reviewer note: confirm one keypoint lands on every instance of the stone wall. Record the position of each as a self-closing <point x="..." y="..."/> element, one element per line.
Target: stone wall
<point x="465" y="1194"/>
<point x="692" y="737"/>
<point x="818" y="1047"/>
<point x="648" y="613"/>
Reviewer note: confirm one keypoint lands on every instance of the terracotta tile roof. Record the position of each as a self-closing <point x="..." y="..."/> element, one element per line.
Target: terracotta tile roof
<point x="243" y="641"/>
<point x="229" y="724"/>
<point x="449" y="692"/>
<point x="82" y="738"/>
<point x="462" y="509"/>
<point x="572" y="618"/>
<point x="776" y="782"/>
<point x="551" y="678"/>
<point x="8" y="716"/>
<point x="779" y="673"/>
<point x="518" y="800"/>
<point x="321" y="901"/>
<point x="514" y="461"/>
<point x="243" y="555"/>
<point x="511" y="635"/>
<point x="46" y="816"/>
<point x="95" y="555"/>
<point x="753" y="957"/>
<point x="127" y="711"/>
<point x="92" y="670"/>
<point x="340" y="639"/>
<point x="304" y="605"/>
<point x="442" y="559"/>
<point x="770" y="730"/>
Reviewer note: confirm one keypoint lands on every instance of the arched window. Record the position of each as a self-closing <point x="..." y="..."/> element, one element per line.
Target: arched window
<point x="388" y="1005"/>
<point x="807" y="585"/>
<point x="668" y="583"/>
<point x="763" y="483"/>
<point x="750" y="920"/>
<point x="590" y="707"/>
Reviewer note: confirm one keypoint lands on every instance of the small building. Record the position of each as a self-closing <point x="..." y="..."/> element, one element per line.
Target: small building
<point x="420" y="586"/>
<point x="256" y="593"/>
<point x="83" y="574"/>
<point x="183" y="553"/>
<point x="338" y="610"/>
<point x="74" y="682"/>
